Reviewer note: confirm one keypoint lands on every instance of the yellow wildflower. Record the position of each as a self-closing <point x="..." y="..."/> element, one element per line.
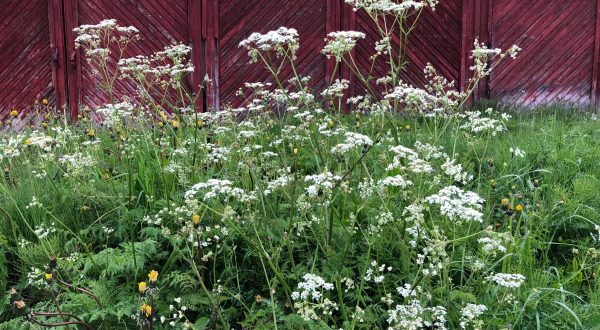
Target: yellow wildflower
<point x="45" y="102"/>
<point x="14" y="113"/>
<point x="519" y="208"/>
<point x="142" y="287"/>
<point x="153" y="276"/>
<point x="196" y="219"/>
<point x="505" y="202"/>
<point x="146" y="309"/>
<point x="48" y="277"/>
<point x="27" y="142"/>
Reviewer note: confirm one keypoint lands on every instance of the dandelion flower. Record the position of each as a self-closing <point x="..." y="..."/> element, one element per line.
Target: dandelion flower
<point x="153" y="276"/>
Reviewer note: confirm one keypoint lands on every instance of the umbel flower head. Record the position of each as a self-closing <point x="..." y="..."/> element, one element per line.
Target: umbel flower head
<point x="391" y="7"/>
<point x="282" y="41"/>
<point x="340" y="43"/>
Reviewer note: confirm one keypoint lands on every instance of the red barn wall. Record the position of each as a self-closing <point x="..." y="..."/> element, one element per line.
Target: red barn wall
<point x="26" y="55"/>
<point x="559" y="62"/>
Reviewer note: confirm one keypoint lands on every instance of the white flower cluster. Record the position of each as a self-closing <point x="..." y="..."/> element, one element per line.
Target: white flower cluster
<point x="336" y="89"/>
<point x="392" y="7"/>
<point x="177" y="315"/>
<point x="206" y="236"/>
<point x="477" y="123"/>
<point x="469" y="315"/>
<point x="282" y="41"/>
<point x="428" y="151"/>
<point x="414" y="219"/>
<point x="94" y="38"/>
<point x="408" y="291"/>
<point x="458" y="204"/>
<point x="415" y="316"/>
<point x="395" y="181"/>
<point x="112" y="115"/>
<point x="43" y="230"/>
<point x="340" y="43"/>
<point x="511" y="281"/>
<point x="310" y="301"/>
<point x="40" y="140"/>
<point x="433" y="257"/>
<point x="282" y="181"/>
<point x="455" y="171"/>
<point x="322" y="184"/>
<point x="375" y="273"/>
<point x="216" y="187"/>
<point x="354" y="141"/>
<point x="10" y="147"/>
<point x="517" y="152"/>
<point x="491" y="245"/>
<point x="77" y="162"/>
<point x="34" y="203"/>
<point x="415" y="163"/>
<point x="170" y="63"/>
<point x="483" y="56"/>
<point x="216" y="154"/>
<point x="411" y="97"/>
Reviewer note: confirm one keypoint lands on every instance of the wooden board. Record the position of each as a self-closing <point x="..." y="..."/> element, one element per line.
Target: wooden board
<point x="560" y="61"/>
<point x="161" y="23"/>
<point x="26" y="56"/>
<point x="557" y="61"/>
<point x="436" y="39"/>
<point x="239" y="18"/>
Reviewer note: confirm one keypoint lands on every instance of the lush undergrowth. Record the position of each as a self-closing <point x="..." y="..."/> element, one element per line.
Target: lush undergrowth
<point x="407" y="212"/>
<point x="311" y="220"/>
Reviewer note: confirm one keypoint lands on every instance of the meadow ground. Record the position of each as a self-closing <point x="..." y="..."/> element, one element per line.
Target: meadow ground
<point x="310" y="220"/>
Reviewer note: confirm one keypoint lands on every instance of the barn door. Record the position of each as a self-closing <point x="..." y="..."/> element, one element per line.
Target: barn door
<point x="557" y="38"/>
<point x="32" y="59"/>
<point x="161" y="23"/>
<point x="237" y="19"/>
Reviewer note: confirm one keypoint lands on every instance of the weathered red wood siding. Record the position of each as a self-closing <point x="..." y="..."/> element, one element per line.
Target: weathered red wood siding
<point x="239" y="18"/>
<point x="161" y="23"/>
<point x="560" y="61"/>
<point x="557" y="38"/>
<point x="436" y="39"/>
<point x="26" y="55"/>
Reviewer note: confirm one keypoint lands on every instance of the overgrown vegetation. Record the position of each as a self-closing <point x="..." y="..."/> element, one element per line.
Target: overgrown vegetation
<point x="410" y="212"/>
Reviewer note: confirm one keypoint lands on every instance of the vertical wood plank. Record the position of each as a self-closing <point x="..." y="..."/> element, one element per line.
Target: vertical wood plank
<point x="73" y="58"/>
<point x="595" y="91"/>
<point x="210" y="24"/>
<point x="333" y="24"/>
<point x="464" y="44"/>
<point x="195" y="41"/>
<point x="57" y="48"/>
<point x="349" y="24"/>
